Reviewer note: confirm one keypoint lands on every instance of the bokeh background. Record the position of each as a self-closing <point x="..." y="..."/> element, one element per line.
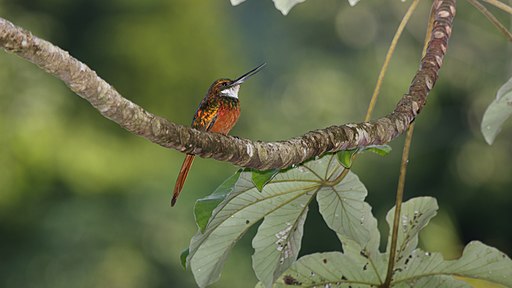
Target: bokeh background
<point x="83" y="203"/>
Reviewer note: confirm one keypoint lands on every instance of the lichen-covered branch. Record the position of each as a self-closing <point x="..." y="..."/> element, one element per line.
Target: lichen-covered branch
<point x="242" y="152"/>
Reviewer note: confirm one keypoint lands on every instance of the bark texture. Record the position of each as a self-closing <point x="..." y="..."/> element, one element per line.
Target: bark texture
<point x="242" y="152"/>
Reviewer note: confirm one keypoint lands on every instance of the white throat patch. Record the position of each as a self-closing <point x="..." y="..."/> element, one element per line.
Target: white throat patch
<point x="231" y="92"/>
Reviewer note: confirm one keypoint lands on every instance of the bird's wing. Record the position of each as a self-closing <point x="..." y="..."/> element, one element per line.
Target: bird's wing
<point x="205" y="116"/>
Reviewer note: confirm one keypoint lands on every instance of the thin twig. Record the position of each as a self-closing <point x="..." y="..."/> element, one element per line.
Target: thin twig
<point x="389" y="55"/>
<point x="500" y="5"/>
<point x="403" y="172"/>
<point x="492" y="18"/>
<point x="398" y="206"/>
<point x="382" y="73"/>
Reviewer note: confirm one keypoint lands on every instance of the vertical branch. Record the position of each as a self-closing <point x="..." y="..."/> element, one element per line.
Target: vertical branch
<point x="403" y="170"/>
<point x="389" y="55"/>
<point x="500" y="5"/>
<point x="492" y="18"/>
<point x="398" y="205"/>
<point x="382" y="73"/>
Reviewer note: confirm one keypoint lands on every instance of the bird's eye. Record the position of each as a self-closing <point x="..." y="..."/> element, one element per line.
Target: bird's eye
<point x="224" y="85"/>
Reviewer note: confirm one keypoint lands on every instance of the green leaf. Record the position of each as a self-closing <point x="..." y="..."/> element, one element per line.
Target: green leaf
<point x="415" y="214"/>
<point x="286" y="5"/>
<point x="382" y="150"/>
<point x="413" y="264"/>
<point x="413" y="267"/>
<point x="261" y="178"/>
<point x="230" y="220"/>
<point x="183" y="258"/>
<point x="483" y="262"/>
<point x="435" y="281"/>
<point x="283" y="203"/>
<point x="344" y="210"/>
<point x="351" y="2"/>
<point x="345" y="157"/>
<point x="478" y="261"/>
<point x="242" y="208"/>
<point x="277" y="243"/>
<point x="497" y="113"/>
<point x="331" y="269"/>
<point x="204" y="206"/>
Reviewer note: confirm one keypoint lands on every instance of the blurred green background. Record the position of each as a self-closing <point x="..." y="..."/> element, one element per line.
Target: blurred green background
<point x="83" y="203"/>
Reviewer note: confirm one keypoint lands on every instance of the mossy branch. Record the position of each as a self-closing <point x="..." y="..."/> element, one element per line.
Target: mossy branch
<point x="242" y="152"/>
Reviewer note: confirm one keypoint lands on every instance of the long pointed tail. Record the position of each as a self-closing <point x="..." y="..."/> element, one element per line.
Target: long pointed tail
<point x="185" y="167"/>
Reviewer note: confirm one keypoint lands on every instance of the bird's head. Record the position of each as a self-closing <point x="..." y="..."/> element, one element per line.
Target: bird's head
<point x="229" y="88"/>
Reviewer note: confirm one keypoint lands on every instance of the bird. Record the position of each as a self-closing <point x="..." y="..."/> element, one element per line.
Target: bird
<point x="218" y="112"/>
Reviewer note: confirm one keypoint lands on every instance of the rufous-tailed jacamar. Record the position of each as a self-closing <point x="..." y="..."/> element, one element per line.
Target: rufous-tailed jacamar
<point x="218" y="112"/>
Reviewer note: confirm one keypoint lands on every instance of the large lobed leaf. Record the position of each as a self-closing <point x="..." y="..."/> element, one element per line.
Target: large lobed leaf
<point x="413" y="268"/>
<point x="478" y="261"/>
<point x="283" y="203"/>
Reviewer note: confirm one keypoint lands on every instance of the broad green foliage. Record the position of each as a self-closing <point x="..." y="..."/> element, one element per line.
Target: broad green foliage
<point x="283" y="203"/>
<point x="413" y="266"/>
<point x="478" y="261"/>
<point x="498" y="112"/>
<point x="286" y="5"/>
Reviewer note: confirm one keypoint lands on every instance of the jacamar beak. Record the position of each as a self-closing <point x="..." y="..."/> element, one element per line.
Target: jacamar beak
<point x="246" y="76"/>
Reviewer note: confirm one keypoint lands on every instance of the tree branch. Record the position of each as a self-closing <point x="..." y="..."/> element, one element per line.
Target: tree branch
<point x="242" y="152"/>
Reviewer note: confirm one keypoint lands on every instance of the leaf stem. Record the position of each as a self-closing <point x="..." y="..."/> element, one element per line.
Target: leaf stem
<point x="492" y="18"/>
<point x="398" y="205"/>
<point x="500" y="5"/>
<point x="382" y="73"/>
<point x="338" y="179"/>
<point x="389" y="55"/>
<point x="403" y="171"/>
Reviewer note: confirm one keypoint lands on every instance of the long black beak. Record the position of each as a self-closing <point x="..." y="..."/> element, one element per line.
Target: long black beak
<point x="246" y="76"/>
